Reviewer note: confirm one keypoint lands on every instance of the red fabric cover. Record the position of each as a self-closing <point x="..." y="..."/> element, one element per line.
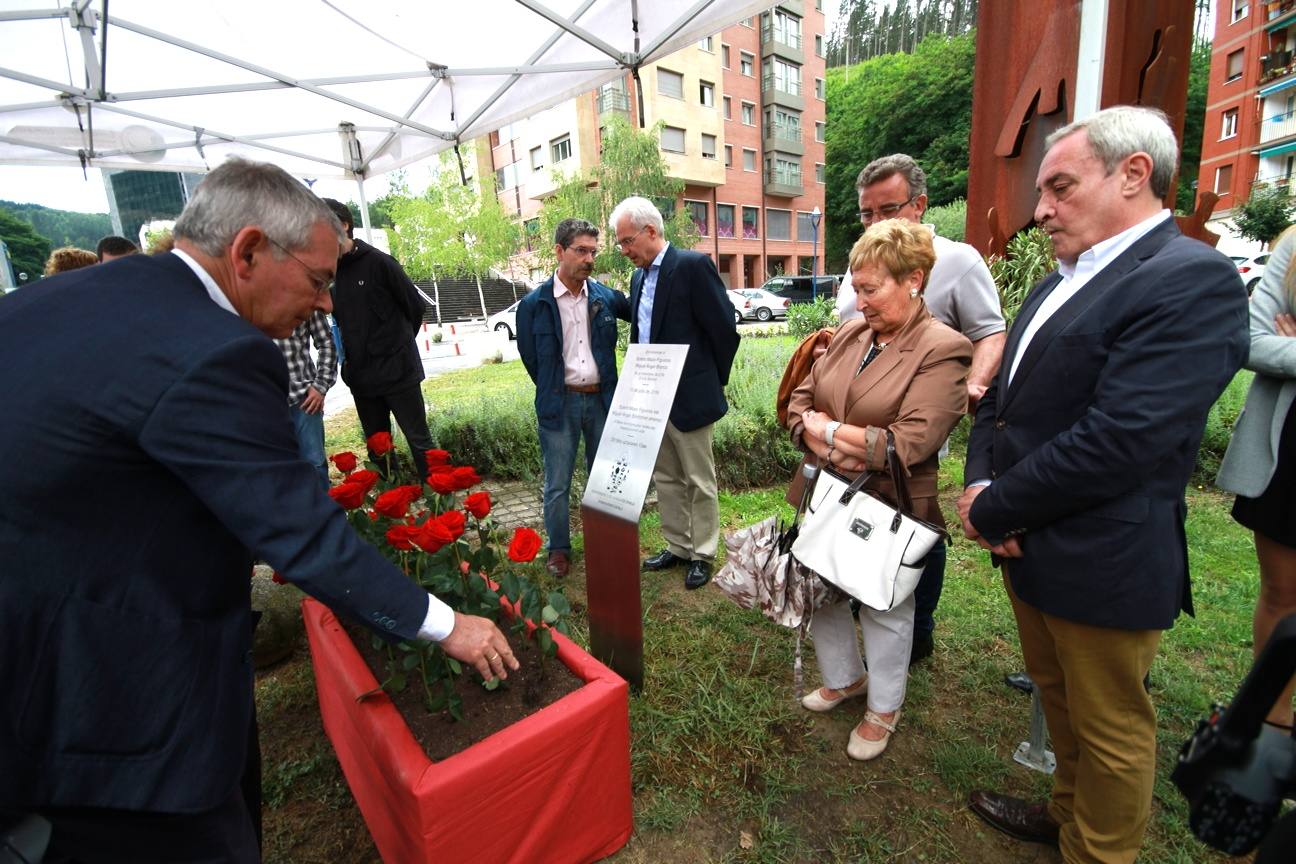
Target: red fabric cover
<point x="553" y="787"/>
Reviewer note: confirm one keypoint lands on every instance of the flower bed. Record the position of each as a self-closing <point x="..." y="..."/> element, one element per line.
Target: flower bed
<point x="553" y="787"/>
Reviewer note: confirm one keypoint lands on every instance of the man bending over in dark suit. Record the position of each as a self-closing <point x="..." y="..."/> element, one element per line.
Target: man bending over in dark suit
<point x="150" y="407"/>
<point x="1078" y="460"/>
<point x="676" y="297"/>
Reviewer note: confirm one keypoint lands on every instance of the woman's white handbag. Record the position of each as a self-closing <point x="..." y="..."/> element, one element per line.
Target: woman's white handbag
<point x="870" y="549"/>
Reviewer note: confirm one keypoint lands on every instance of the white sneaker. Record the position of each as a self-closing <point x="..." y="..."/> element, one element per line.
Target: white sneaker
<point x="817" y="701"/>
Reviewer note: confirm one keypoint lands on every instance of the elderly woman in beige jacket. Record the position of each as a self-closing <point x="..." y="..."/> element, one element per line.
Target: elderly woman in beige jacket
<point x="1260" y="465"/>
<point x="896" y="369"/>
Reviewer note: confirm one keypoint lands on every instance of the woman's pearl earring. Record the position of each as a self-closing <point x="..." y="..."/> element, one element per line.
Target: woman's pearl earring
<point x="913" y="292"/>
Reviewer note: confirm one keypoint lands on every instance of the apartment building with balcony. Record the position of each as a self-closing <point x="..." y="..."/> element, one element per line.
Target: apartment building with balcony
<point x="1250" y="130"/>
<point x="742" y="116"/>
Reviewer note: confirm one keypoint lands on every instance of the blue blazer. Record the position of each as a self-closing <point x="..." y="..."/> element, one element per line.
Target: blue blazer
<point x="1091" y="445"/>
<point x="690" y="308"/>
<point x="150" y="456"/>
<point x="540" y="342"/>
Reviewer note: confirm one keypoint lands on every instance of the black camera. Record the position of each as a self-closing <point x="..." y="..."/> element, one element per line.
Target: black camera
<point x="1235" y="771"/>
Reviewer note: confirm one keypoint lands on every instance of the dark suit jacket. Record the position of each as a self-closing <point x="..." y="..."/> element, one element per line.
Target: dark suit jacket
<point x="1090" y="447"/>
<point x="150" y="454"/>
<point x="690" y="308"/>
<point x="540" y="344"/>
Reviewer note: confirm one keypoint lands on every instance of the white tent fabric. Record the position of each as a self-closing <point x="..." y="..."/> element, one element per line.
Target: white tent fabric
<point x="320" y="87"/>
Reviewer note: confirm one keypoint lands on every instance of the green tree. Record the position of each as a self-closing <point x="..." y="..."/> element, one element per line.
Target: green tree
<point x="631" y="164"/>
<point x="27" y="249"/>
<point x="1194" y="122"/>
<point x="63" y="227"/>
<point x="1264" y="215"/>
<point x="920" y="104"/>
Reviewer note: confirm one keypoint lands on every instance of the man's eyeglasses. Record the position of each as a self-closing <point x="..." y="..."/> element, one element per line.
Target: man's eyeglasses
<point x="322" y="281"/>
<point x="582" y="251"/>
<point x="627" y="241"/>
<point x="886" y="211"/>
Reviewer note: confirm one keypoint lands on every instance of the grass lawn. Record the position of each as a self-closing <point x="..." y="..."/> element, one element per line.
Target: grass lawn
<point x="727" y="768"/>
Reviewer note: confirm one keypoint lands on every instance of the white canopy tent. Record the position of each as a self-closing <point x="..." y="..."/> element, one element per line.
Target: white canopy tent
<point x="320" y="87"/>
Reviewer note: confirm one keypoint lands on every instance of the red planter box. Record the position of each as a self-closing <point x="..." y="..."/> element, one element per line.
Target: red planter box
<point x="553" y="787"/>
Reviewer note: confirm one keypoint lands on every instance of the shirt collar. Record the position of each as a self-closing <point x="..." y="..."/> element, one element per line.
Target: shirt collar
<point x="560" y="288"/>
<point x="213" y="290"/>
<point x="1101" y="254"/>
<point x="656" y="262"/>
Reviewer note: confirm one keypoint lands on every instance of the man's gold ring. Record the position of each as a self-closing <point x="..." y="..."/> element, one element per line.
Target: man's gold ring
<point x="493" y="658"/>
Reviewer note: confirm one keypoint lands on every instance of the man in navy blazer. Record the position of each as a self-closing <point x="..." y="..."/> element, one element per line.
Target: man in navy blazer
<point x="151" y="456"/>
<point x="676" y="297"/>
<point x="1078" y="460"/>
<point x="567" y="335"/>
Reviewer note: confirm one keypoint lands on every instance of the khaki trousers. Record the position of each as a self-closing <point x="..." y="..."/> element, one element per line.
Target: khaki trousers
<point x="686" y="493"/>
<point x="1102" y="726"/>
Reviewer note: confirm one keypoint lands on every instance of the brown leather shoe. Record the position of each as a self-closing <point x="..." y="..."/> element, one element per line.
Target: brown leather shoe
<point x="1015" y="817"/>
<point x="558" y="564"/>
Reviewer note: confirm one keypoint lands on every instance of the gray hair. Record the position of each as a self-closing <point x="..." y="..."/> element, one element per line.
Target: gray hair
<point x="569" y="229"/>
<point x="240" y="193"/>
<point x="641" y="211"/>
<point x="1119" y="132"/>
<point x="897" y="163"/>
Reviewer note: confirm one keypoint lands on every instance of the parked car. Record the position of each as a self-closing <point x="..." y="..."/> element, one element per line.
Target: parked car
<point x="506" y="321"/>
<point x="742" y="306"/>
<point x="766" y="306"/>
<point x="801" y="289"/>
<point x="1252" y="270"/>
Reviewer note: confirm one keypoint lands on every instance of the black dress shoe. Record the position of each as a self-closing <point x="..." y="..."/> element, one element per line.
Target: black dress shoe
<point x="1015" y="817"/>
<point x="922" y="648"/>
<point x="699" y="573"/>
<point x="663" y="560"/>
<point x="1020" y="681"/>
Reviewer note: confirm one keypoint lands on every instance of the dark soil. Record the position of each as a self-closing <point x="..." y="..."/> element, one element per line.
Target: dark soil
<point x="485" y="712"/>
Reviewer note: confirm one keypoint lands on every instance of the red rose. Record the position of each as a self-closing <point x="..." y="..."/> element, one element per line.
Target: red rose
<point x="465" y="476"/>
<point x="436" y="457"/>
<point x="401" y="537"/>
<point x="364" y="478"/>
<point x="432" y="535"/>
<point x="442" y="482"/>
<point x="478" y="504"/>
<point x="463" y="567"/>
<point x="453" y="520"/>
<point x="524" y="545"/>
<point x="346" y="461"/>
<point x="379" y="443"/>
<point x="348" y="495"/>
<point x="394" y="503"/>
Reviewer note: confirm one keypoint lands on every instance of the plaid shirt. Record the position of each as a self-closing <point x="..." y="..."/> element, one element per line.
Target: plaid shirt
<point x="302" y="370"/>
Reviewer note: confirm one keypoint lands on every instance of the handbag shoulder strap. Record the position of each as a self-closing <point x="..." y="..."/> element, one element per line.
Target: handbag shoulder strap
<point x="898" y="478"/>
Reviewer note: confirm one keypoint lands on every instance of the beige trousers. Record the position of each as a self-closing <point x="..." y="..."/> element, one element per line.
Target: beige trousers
<point x="1102" y="726"/>
<point x="686" y="493"/>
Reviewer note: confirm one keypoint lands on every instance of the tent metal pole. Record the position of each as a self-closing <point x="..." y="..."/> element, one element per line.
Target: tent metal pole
<point x="364" y="209"/>
<point x="56" y="86"/>
<point x="253" y="86"/>
<point x="680" y="22"/>
<point x="63" y="151"/>
<point x="571" y="27"/>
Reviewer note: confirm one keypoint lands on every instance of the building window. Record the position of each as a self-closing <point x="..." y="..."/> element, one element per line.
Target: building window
<point x="806" y="227"/>
<point x="820" y="173"/>
<point x="708" y="146"/>
<point x="783" y="170"/>
<point x="1233" y="66"/>
<point x="1229" y="127"/>
<point x="724" y="56"/>
<point x="707" y="43"/>
<point x="819" y="89"/>
<point x="750" y="215"/>
<point x="784" y="28"/>
<point x="728" y="107"/>
<point x="819" y="45"/>
<point x="749" y="113"/>
<point x="749" y="160"/>
<point x="748" y="23"/>
<point x="724" y="220"/>
<point x="778" y="224"/>
<point x="670" y="83"/>
<point x="672" y="139"/>
<point x="560" y="149"/>
<point x="537" y="158"/>
<point x="728" y="155"/>
<point x="506" y="177"/>
<point x="1239" y="10"/>
<point x="1223" y="179"/>
<point x="819" y="131"/>
<point x="783" y="124"/>
<point x="778" y="74"/>
<point x="706" y="94"/>
<point x="697" y="211"/>
<point x="747" y="64"/>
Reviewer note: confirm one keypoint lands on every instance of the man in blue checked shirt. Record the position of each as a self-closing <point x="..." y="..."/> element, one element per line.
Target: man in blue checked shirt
<point x="308" y="380"/>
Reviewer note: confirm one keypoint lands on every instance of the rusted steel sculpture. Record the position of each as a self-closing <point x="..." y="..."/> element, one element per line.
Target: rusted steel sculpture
<point x="1025" y="87"/>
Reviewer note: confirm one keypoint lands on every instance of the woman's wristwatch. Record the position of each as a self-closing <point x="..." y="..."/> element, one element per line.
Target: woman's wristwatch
<point x="830" y="430"/>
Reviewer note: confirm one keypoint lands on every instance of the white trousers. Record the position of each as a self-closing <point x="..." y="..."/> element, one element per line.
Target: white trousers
<point x="888" y="637"/>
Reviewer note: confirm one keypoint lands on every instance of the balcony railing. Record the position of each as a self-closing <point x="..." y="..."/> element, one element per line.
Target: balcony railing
<point x="1278" y="126"/>
<point x="792" y="88"/>
<point x="613" y="100"/>
<point x="785" y="133"/>
<point x="783" y="176"/>
<point x="1278" y="9"/>
<point x="790" y="39"/>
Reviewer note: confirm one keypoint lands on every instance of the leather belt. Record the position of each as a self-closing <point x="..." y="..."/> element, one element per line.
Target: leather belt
<point x="587" y="388"/>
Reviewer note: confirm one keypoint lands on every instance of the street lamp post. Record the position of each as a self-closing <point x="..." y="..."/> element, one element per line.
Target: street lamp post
<point x="816" y="216"/>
